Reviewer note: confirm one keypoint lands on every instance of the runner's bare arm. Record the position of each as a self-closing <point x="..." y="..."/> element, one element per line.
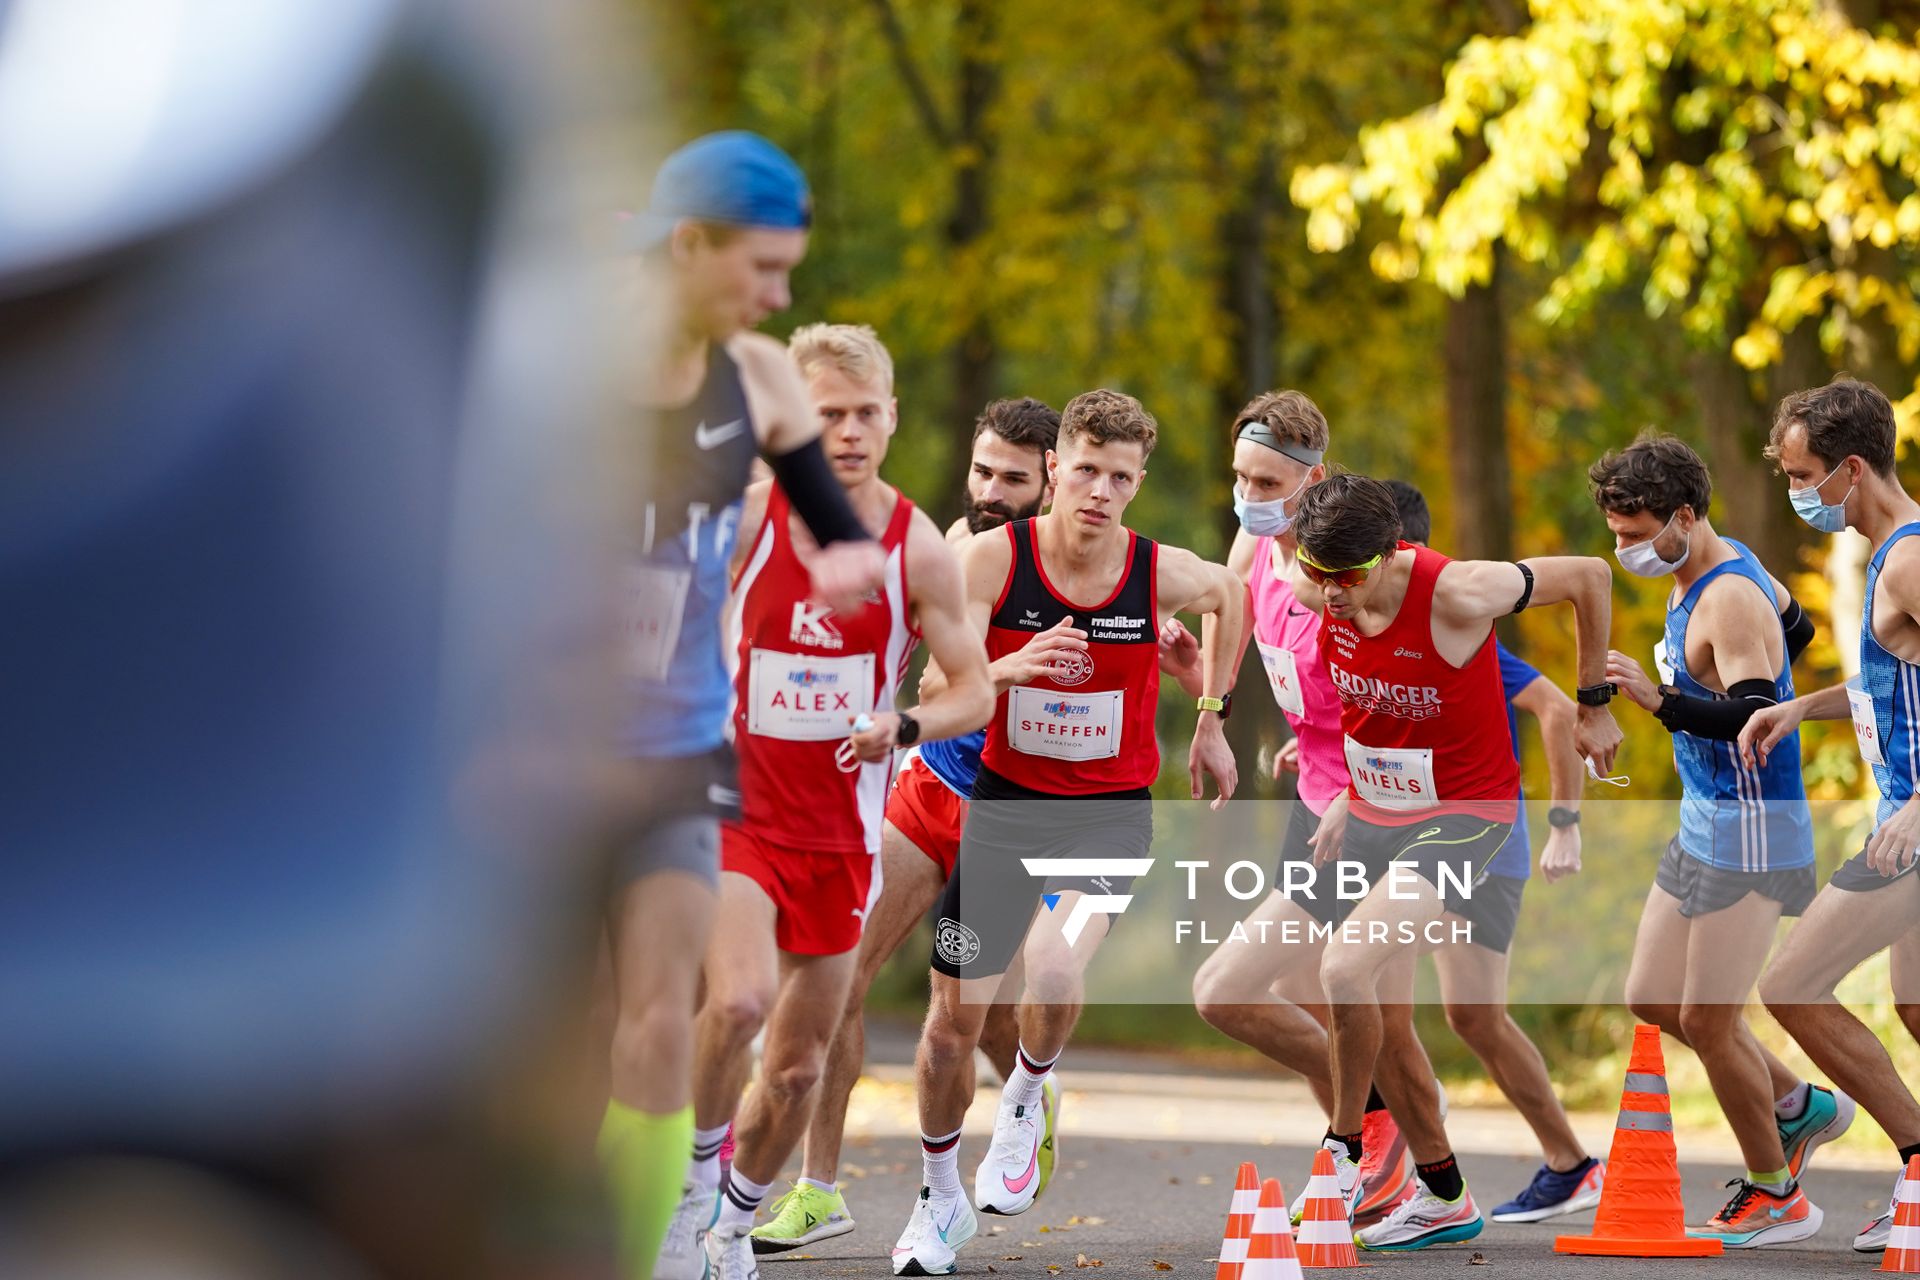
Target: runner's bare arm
<point x="985" y="561"/>
<point x="957" y="532"/>
<point x="1555" y="713"/>
<point x="938" y="603"/>
<point x="783" y="418"/>
<point x="753" y="513"/>
<point x="1185" y="581"/>
<point x="1240" y="555"/>
<point x="1742" y="630"/>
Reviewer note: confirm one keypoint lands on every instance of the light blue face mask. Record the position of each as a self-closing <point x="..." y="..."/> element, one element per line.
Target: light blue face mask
<point x="1267" y="519"/>
<point x="1827" y="517"/>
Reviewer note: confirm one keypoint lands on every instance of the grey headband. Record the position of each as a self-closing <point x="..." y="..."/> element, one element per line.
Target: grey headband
<point x="1260" y="433"/>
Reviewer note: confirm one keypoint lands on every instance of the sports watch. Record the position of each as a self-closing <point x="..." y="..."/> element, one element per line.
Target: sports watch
<point x="908" y="731"/>
<point x="1560" y="817"/>
<point x="1222" y="704"/>
<point x="1595" y="695"/>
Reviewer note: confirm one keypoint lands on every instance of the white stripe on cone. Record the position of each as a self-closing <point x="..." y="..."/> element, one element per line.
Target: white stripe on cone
<point x="1245" y="1201"/>
<point x="1323" y="1186"/>
<point x="1909" y="1193"/>
<point x="1233" y="1249"/>
<point x="1323" y="1231"/>
<point x="1269" y="1220"/>
<point x="1904" y="1238"/>
<point x="1273" y="1269"/>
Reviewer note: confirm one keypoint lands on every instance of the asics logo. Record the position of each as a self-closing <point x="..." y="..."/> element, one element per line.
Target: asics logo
<point x="713" y="437"/>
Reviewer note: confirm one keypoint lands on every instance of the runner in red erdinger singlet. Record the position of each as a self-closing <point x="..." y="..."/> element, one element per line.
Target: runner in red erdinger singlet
<point x="1407" y="635"/>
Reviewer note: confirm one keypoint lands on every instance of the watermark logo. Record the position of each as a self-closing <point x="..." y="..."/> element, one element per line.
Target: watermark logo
<point x="1102" y="871"/>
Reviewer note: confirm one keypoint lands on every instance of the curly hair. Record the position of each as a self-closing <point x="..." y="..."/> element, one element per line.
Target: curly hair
<point x="1104" y="416"/>
<point x="1026" y="422"/>
<point x="1657" y="473"/>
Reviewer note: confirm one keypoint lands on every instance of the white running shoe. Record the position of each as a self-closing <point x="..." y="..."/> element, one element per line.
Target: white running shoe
<point x="729" y="1256"/>
<point x="935" y="1231"/>
<point x="1009" y="1177"/>
<point x="1874" y="1236"/>
<point x="682" y="1255"/>
<point x="1346" y="1174"/>
<point x="1424" y="1219"/>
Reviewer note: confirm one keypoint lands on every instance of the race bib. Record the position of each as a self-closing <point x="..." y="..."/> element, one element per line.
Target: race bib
<point x="1866" y="730"/>
<point x="1064" y="725"/>
<point x="802" y="698"/>
<point x="1284" y="675"/>
<point x="1662" y="663"/>
<point x="1399" y="778"/>
<point x="656" y="597"/>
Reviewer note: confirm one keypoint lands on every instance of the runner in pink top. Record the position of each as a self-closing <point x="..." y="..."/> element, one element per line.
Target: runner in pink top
<point x="1288" y="636"/>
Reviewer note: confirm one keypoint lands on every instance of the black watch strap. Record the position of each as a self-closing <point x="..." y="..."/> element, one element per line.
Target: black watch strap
<point x="1595" y="695"/>
<point x="1563" y="817"/>
<point x="908" y="732"/>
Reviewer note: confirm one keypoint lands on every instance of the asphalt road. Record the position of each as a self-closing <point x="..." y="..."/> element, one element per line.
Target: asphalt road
<point x="1129" y="1204"/>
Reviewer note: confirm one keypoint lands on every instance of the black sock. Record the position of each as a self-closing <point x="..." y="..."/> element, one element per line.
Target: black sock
<point x="1443" y="1178"/>
<point x="1908" y="1153"/>
<point x="1353" y="1144"/>
<point x="1374" y="1102"/>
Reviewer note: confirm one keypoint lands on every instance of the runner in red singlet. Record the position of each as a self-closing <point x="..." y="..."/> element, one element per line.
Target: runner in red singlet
<point x="1407" y="635"/>
<point x="1064" y="774"/>
<point x="798" y="868"/>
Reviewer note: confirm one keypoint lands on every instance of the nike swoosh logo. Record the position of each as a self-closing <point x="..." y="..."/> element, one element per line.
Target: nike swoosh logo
<point x="1017" y="1185"/>
<point x="712" y="437"/>
<point x="948" y="1224"/>
<point x="1296" y="613"/>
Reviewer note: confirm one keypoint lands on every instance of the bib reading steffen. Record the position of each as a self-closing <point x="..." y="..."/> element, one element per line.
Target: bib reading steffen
<point x="1865" y="729"/>
<point x="1283" y="673"/>
<point x="800" y="697"/>
<point x="1398" y="778"/>
<point x="657" y="598"/>
<point x="1063" y="724"/>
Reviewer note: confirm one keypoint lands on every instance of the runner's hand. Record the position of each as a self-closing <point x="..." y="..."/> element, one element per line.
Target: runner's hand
<point x="1179" y="651"/>
<point x="1040" y="655"/>
<point x="1890" y="849"/>
<point x="1765" y="728"/>
<point x="1211" y="756"/>
<point x="845" y="573"/>
<point x="1632" y="679"/>
<point x="876" y="743"/>
<point x="1560" y="855"/>
<point x="1287" y="758"/>
<point x="1596" y="736"/>
<point x="1332" y="832"/>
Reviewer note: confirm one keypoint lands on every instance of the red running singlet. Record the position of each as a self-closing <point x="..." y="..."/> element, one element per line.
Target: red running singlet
<point x="802" y="673"/>
<point x="1422" y="735"/>
<point x="1088" y="728"/>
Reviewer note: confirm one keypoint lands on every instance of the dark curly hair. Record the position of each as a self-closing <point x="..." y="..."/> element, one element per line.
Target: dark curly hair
<point x="1347" y="520"/>
<point x="1846" y="418"/>
<point x="1657" y="473"/>
<point x="1026" y="422"/>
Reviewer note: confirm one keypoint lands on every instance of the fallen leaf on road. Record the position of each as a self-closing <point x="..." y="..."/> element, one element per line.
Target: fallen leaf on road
<point x="1082" y="1260"/>
<point x="1477" y="1260"/>
<point x="1013" y="1257"/>
<point x="1053" y="1270"/>
<point x="1029" y="1244"/>
<point x="1204" y="1180"/>
<point x="992" y="1270"/>
<point x="1046" y="1228"/>
<point x="1161" y="1266"/>
<point x="1077" y="1221"/>
<point x="1173" y="1182"/>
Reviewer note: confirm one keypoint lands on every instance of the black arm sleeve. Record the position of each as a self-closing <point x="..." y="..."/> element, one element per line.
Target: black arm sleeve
<point x="1799" y="628"/>
<point x="1720" y="719"/>
<point x="808" y="482"/>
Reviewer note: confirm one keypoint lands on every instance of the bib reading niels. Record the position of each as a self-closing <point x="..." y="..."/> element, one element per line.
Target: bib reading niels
<point x="1283" y="673"/>
<point x="1866" y="730"/>
<point x="803" y="698"/>
<point x="656" y="599"/>
<point x="1064" y="725"/>
<point x="1399" y="778"/>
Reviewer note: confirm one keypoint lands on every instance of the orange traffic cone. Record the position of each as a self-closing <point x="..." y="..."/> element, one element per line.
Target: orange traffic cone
<point x="1640" y="1212"/>
<point x="1270" y="1254"/>
<point x="1326" y="1234"/>
<point x="1903" y="1245"/>
<point x="1233" y="1246"/>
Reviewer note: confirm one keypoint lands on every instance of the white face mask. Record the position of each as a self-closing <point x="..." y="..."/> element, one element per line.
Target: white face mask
<point x="1644" y="561"/>
<point x="1267" y="519"/>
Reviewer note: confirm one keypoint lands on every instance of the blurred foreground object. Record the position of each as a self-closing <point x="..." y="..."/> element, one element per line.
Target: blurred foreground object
<point x="298" y="593"/>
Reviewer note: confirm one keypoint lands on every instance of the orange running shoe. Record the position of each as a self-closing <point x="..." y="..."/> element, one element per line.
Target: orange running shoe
<point x="1386" y="1169"/>
<point x="1756" y="1217"/>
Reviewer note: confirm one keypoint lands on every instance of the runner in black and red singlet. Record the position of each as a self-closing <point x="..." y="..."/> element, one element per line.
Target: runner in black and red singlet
<point x="1407" y="635"/>
<point x="1064" y="774"/>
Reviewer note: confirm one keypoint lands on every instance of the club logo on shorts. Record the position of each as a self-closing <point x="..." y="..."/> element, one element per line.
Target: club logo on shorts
<point x="957" y="944"/>
<point x="1074" y="668"/>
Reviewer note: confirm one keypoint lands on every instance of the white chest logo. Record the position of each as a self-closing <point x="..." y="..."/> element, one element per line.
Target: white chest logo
<point x="1075" y="668"/>
<point x="812" y="624"/>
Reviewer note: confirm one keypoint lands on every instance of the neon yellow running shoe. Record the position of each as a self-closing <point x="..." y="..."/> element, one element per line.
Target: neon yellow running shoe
<point x="805" y="1215"/>
<point x="1050" y="1108"/>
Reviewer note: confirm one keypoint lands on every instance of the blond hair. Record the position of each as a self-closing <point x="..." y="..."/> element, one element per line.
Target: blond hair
<point x="855" y="350"/>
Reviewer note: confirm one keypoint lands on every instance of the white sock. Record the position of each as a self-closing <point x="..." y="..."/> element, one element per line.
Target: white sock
<point x="940" y="1164"/>
<point x="817" y="1185"/>
<point x="705" y="1169"/>
<point x="1023" y="1086"/>
<point x="739" y="1202"/>
<point x="1791" y="1106"/>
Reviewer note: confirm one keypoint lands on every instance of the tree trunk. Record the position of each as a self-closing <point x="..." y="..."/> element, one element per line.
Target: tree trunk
<point x="1476" y="361"/>
<point x="975" y="356"/>
<point x="1750" y="502"/>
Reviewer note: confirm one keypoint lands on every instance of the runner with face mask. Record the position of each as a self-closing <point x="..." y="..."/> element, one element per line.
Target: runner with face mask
<point x="1743" y="856"/>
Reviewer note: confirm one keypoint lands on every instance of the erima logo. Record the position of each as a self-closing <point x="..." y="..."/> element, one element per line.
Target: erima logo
<point x="1087" y="905"/>
<point x="1033" y="615"/>
<point x="811" y="625"/>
